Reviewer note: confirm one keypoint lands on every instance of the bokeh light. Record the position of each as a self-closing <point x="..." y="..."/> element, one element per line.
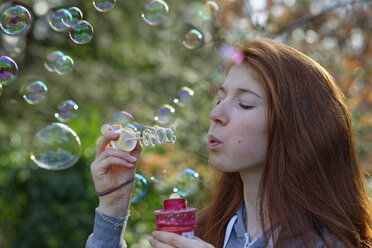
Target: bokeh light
<point x="81" y="32"/>
<point x="193" y="39"/>
<point x="15" y="20"/>
<point x="155" y="12"/>
<point x="66" y="111"/>
<point x="187" y="183"/>
<point x="140" y="189"/>
<point x="165" y="114"/>
<point x="35" y="92"/>
<point x="104" y="5"/>
<point x="55" y="147"/>
<point x="60" y="20"/>
<point x="8" y="70"/>
<point x="184" y="96"/>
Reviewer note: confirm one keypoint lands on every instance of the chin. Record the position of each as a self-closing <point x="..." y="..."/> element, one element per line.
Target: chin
<point x="222" y="167"/>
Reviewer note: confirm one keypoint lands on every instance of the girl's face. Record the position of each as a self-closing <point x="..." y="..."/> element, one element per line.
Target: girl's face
<point x="237" y="136"/>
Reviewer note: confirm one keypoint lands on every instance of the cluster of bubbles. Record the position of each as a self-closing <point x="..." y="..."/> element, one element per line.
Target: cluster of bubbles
<point x="71" y="19"/>
<point x="165" y="114"/>
<point x="58" y="62"/>
<point x="187" y="184"/>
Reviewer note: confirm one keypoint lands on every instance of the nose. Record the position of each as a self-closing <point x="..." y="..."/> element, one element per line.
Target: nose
<point x="218" y="115"/>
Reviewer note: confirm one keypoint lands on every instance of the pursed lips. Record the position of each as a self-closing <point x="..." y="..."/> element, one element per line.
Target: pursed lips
<point x="213" y="142"/>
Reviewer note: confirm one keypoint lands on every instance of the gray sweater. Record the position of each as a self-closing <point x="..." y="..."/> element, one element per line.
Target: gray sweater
<point x="108" y="232"/>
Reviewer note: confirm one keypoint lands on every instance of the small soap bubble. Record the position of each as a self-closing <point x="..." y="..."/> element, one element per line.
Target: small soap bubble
<point x="139" y="127"/>
<point x="184" y="96"/>
<point x="66" y="111"/>
<point x="76" y="14"/>
<point x="60" y="20"/>
<point x="64" y="65"/>
<point x="187" y="183"/>
<point x="15" y="20"/>
<point x="35" y="92"/>
<point x="52" y="59"/>
<point x="155" y="12"/>
<point x="8" y="70"/>
<point x="104" y="5"/>
<point x="165" y="114"/>
<point x="193" y="39"/>
<point x="81" y="32"/>
<point x="209" y="10"/>
<point x="55" y="147"/>
<point x="140" y="189"/>
<point x="123" y="118"/>
<point x="231" y="54"/>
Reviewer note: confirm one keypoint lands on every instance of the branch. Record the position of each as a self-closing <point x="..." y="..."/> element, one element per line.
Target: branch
<point x="309" y="18"/>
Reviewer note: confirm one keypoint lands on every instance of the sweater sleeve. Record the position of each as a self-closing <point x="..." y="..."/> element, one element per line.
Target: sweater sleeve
<point x="107" y="232"/>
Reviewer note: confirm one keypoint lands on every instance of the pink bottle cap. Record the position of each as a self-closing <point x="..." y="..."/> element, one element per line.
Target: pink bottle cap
<point x="175" y="215"/>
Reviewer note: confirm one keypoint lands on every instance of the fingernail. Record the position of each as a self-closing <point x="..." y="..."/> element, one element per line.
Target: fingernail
<point x="133" y="159"/>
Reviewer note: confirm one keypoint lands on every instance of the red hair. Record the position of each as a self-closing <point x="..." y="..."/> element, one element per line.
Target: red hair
<point x="312" y="174"/>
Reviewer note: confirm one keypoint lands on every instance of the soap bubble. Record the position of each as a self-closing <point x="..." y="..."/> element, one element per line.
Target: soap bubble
<point x="187" y="183"/>
<point x="81" y="32"/>
<point x="76" y="14"/>
<point x="192" y="39"/>
<point x="165" y="114"/>
<point x="8" y="70"/>
<point x="55" y="147"/>
<point x="155" y="12"/>
<point x="60" y="20"/>
<point x="209" y="10"/>
<point x="15" y="20"/>
<point x="183" y="96"/>
<point x="52" y="59"/>
<point x="123" y="118"/>
<point x="64" y="65"/>
<point x="104" y="5"/>
<point x="67" y="110"/>
<point x="35" y="92"/>
<point x="140" y="189"/>
<point x="137" y="127"/>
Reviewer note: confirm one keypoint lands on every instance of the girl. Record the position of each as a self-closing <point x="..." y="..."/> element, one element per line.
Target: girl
<point x="282" y="137"/>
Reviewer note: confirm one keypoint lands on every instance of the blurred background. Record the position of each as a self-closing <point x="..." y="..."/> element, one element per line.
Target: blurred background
<point x="149" y="63"/>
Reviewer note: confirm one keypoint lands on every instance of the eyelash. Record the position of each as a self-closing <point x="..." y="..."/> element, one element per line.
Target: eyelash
<point x="243" y="106"/>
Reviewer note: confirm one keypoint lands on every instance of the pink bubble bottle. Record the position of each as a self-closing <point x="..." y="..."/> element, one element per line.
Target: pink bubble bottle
<point x="176" y="218"/>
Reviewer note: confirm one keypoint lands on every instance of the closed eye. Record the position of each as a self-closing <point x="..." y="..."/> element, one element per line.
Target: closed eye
<point x="245" y="106"/>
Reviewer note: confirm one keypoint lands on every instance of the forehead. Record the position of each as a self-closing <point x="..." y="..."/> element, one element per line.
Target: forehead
<point x="242" y="76"/>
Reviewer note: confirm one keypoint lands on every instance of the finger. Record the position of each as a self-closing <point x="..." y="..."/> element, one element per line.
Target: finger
<point x="137" y="150"/>
<point x="104" y="164"/>
<point x="117" y="153"/>
<point x="157" y="244"/>
<point x="105" y="140"/>
<point x="179" y="241"/>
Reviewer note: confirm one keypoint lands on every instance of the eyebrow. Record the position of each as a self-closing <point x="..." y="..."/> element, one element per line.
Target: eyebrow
<point x="239" y="90"/>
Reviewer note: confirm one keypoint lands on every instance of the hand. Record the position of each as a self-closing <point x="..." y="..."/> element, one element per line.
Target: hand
<point x="110" y="168"/>
<point x="172" y="240"/>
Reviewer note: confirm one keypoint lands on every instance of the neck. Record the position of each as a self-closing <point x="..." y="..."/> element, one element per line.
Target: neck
<point x="251" y="181"/>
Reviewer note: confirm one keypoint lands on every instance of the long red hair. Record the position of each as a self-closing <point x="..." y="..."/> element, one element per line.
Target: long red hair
<point x="312" y="174"/>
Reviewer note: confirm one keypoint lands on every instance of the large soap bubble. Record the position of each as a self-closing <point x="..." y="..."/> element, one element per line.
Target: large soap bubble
<point x="187" y="183"/>
<point x="155" y="12"/>
<point x="8" y="70"/>
<point x="15" y="20"/>
<point x="140" y="189"/>
<point x="55" y="147"/>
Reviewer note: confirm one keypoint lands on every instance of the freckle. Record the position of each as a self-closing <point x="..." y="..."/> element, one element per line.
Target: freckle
<point x="239" y="141"/>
